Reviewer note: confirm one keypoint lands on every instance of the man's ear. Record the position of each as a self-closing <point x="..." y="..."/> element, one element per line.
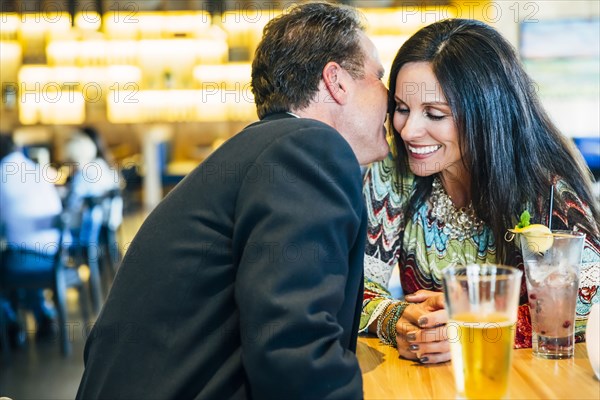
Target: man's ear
<point x="335" y="79"/>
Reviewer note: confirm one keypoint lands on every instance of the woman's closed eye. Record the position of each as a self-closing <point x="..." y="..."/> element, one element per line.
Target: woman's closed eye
<point x="402" y="109"/>
<point x="434" y="115"/>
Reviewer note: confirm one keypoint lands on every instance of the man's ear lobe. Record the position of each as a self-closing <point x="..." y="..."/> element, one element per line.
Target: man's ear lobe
<point x="334" y="77"/>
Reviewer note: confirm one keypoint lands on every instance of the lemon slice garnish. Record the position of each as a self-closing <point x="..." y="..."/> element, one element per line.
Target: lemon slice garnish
<point x="539" y="237"/>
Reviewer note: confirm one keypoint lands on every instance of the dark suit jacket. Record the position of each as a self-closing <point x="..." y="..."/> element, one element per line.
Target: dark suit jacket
<point x="245" y="281"/>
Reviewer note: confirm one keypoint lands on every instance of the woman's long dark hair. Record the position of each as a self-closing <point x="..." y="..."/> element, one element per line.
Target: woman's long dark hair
<point x="508" y="144"/>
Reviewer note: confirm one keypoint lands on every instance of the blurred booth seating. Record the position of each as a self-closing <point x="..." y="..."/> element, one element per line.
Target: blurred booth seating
<point x="23" y="269"/>
<point x="590" y="150"/>
<point x="170" y="175"/>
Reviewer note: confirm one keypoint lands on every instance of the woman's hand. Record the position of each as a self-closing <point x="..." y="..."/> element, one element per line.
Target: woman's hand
<point x="421" y="330"/>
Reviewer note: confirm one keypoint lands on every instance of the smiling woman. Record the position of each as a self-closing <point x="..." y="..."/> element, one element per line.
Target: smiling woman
<point x="426" y="125"/>
<point x="463" y="112"/>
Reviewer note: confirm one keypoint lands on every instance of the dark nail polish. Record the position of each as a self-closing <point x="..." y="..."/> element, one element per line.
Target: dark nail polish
<point x="422" y="321"/>
<point x="423" y="360"/>
<point x="413" y="347"/>
<point x="411" y="337"/>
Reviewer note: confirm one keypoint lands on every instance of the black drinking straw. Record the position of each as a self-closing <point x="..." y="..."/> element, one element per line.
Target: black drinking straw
<point x="551" y="206"/>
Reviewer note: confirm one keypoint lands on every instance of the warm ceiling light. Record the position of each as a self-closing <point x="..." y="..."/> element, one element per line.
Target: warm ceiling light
<point x="133" y="24"/>
<point x="227" y="76"/>
<point x="10" y="61"/>
<point x="64" y="52"/>
<point x="88" y="20"/>
<point x="9" y="26"/>
<point x="55" y="107"/>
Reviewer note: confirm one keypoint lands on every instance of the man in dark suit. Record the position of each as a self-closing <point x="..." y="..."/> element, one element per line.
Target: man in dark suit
<point x="246" y="280"/>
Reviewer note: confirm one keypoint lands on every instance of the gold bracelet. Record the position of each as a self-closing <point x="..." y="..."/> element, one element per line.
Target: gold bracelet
<point x="380" y="320"/>
<point x="398" y="310"/>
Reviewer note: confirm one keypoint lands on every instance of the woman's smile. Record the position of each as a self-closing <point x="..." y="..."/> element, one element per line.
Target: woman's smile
<point x="417" y="151"/>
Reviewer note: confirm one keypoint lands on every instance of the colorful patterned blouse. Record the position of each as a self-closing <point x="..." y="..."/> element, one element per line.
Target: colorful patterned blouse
<point x="422" y="248"/>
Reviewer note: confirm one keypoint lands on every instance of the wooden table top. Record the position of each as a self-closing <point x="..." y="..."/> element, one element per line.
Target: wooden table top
<point x="386" y="376"/>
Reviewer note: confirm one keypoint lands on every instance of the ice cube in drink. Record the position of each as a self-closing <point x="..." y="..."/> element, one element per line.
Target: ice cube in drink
<point x="552" y="302"/>
<point x="552" y="286"/>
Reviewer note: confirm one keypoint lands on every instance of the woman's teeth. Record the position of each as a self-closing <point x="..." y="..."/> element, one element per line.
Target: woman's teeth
<point x="424" y="150"/>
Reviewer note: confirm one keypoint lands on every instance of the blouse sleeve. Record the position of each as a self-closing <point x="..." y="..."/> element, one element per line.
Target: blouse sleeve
<point x="386" y="199"/>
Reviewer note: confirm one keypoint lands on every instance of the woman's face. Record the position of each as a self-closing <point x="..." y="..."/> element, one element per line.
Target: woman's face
<point x="425" y="122"/>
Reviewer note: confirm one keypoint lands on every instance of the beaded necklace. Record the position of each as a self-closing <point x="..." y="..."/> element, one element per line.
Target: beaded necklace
<point x="458" y="223"/>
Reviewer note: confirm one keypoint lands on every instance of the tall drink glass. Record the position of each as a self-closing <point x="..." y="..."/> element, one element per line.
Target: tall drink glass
<point x="552" y="276"/>
<point x="482" y="302"/>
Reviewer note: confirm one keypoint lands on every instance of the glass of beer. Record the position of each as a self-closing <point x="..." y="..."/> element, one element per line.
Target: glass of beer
<point x="482" y="302"/>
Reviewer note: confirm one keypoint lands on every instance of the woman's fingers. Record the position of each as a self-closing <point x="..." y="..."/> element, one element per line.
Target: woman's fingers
<point x="403" y="327"/>
<point x="436" y="334"/>
<point x="420" y="296"/>
<point x="404" y="349"/>
<point x="426" y="348"/>
<point x="433" y="319"/>
<point x="412" y="313"/>
<point x="435" y="302"/>
<point x="426" y="352"/>
<point x="434" y="358"/>
<point x="419" y="313"/>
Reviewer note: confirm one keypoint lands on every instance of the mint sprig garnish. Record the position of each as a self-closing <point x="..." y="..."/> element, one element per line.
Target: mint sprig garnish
<point x="524" y="219"/>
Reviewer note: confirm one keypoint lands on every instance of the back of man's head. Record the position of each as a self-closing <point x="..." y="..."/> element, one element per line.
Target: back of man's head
<point x="294" y="50"/>
<point x="80" y="149"/>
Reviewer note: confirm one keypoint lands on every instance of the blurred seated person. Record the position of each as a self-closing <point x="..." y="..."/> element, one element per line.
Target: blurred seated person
<point x="94" y="177"/>
<point x="94" y="174"/>
<point x="28" y="202"/>
<point x="472" y="149"/>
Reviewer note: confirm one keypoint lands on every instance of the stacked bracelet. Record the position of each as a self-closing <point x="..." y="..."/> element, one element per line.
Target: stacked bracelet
<point x="381" y="334"/>
<point x="392" y="314"/>
<point x="391" y="326"/>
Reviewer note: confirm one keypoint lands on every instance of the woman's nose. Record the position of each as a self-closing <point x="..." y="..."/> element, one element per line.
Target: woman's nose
<point x="413" y="128"/>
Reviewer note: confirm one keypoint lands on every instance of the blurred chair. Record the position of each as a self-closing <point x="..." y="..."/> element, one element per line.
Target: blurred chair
<point x="132" y="177"/>
<point x="86" y="249"/>
<point x="167" y="177"/>
<point x="110" y="253"/>
<point x="23" y="269"/>
<point x="4" y="344"/>
<point x="110" y="227"/>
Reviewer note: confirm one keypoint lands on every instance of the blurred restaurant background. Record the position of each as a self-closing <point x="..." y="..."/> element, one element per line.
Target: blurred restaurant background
<point x="164" y="83"/>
